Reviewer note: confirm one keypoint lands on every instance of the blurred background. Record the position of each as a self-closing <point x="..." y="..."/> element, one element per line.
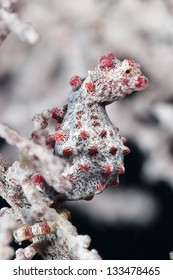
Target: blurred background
<point x="135" y="220"/>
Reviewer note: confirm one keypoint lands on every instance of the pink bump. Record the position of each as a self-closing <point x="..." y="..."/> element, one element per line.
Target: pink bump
<point x="84" y="166"/>
<point x="100" y="187"/>
<point x="113" y="150"/>
<point x="103" y="133"/>
<point x="38" y="179"/>
<point x="126" y="150"/>
<point x="67" y="151"/>
<point x="90" y="86"/>
<point x="93" y="150"/>
<point x="59" y="136"/>
<point x="141" y="83"/>
<point x="84" y="134"/>
<point x="124" y="139"/>
<point x="50" y="141"/>
<point x="120" y="169"/>
<point x="75" y="81"/>
<point x="107" y="61"/>
<point x="107" y="169"/>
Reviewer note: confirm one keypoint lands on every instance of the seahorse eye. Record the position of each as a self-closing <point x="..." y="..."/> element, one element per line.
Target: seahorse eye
<point x="128" y="71"/>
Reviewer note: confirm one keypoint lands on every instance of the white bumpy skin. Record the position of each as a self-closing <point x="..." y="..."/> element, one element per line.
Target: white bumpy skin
<point x="85" y="136"/>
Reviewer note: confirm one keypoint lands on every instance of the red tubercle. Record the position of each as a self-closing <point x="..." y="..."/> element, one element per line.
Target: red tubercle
<point x="57" y="114"/>
<point x="94" y="117"/>
<point x="108" y="56"/>
<point x="141" y="82"/>
<point x="131" y="62"/>
<point x="50" y="141"/>
<point x="84" y="166"/>
<point x="60" y="136"/>
<point x="100" y="187"/>
<point x="107" y="169"/>
<point x="124" y="81"/>
<point x="103" y="133"/>
<point x="76" y="81"/>
<point x="58" y="125"/>
<point x="68" y="151"/>
<point x="92" y="150"/>
<point x="124" y="139"/>
<point x="90" y="87"/>
<point x="84" y="134"/>
<point x="79" y="124"/>
<point x="38" y="179"/>
<point x="111" y="56"/>
<point x="96" y="123"/>
<point x="107" y="61"/>
<point x="120" y="169"/>
<point x="113" y="150"/>
<point x="126" y="150"/>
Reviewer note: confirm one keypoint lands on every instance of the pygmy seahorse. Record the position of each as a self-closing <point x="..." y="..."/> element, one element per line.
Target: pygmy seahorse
<point x="85" y="136"/>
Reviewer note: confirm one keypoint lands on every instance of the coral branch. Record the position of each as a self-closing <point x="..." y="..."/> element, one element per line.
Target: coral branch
<point x="26" y="254"/>
<point x="10" y="22"/>
<point x="7" y="226"/>
<point x="39" y="157"/>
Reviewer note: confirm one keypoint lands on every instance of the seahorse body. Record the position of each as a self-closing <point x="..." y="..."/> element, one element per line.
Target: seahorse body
<point x="85" y="136"/>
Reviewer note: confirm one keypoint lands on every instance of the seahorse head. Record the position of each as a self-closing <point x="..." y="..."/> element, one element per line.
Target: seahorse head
<point x="113" y="79"/>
